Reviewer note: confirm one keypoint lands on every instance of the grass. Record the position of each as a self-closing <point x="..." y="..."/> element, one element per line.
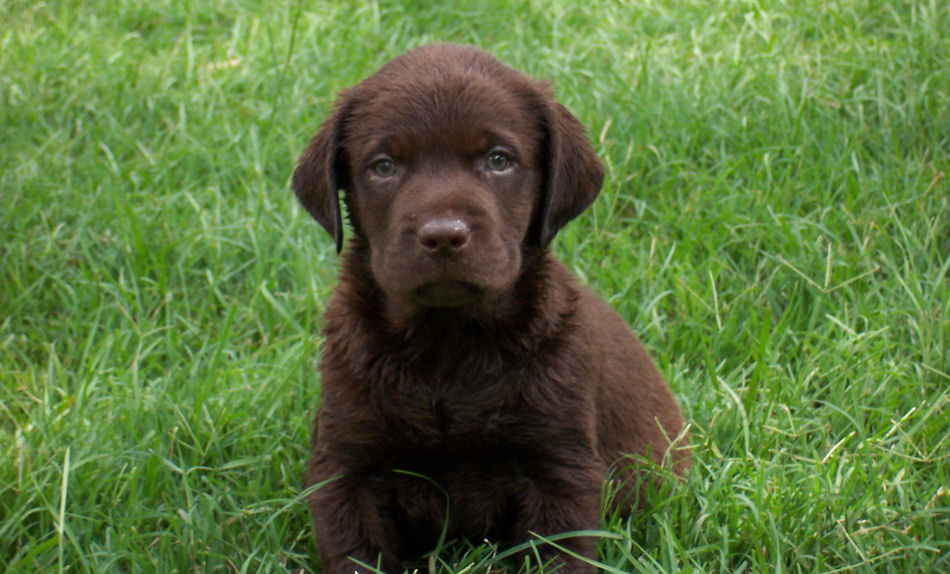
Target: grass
<point x="775" y="224"/>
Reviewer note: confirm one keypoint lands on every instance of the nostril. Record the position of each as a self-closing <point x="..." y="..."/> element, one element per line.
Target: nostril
<point x="444" y="235"/>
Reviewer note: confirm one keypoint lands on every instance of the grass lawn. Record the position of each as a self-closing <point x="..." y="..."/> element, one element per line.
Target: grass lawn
<point x="775" y="224"/>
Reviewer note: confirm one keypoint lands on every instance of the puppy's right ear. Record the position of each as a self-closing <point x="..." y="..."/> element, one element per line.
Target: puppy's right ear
<point x="321" y="172"/>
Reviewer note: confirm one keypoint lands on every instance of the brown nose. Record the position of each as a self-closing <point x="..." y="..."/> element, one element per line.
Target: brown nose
<point x="444" y="235"/>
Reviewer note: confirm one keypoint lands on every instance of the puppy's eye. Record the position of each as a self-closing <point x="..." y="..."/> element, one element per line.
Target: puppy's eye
<point x="497" y="161"/>
<point x="385" y="167"/>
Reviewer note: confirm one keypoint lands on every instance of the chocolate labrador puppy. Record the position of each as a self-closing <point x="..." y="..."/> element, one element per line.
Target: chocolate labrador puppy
<point x="471" y="386"/>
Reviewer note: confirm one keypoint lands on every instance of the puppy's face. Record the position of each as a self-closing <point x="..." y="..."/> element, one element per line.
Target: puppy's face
<point x="445" y="174"/>
<point x="453" y="165"/>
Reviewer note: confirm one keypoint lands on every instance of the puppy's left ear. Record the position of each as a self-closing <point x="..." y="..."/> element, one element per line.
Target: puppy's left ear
<point x="321" y="172"/>
<point x="573" y="172"/>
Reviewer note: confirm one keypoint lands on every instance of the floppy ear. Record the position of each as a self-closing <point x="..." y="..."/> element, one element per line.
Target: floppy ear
<point x="573" y="172"/>
<point x="321" y="173"/>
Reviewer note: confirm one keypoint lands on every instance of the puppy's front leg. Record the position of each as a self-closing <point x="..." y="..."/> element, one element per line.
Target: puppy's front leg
<point x="559" y="506"/>
<point x="350" y="523"/>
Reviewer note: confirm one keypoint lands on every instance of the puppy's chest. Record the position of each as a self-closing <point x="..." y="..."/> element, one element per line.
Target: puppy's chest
<point x="455" y="412"/>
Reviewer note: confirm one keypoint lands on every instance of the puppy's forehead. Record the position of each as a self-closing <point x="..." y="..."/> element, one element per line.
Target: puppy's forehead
<point x="444" y="99"/>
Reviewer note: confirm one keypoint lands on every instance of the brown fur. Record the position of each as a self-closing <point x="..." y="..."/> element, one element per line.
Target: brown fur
<point x="456" y="347"/>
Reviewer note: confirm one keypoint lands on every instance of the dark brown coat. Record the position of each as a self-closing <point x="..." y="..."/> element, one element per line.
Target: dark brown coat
<point x="456" y="347"/>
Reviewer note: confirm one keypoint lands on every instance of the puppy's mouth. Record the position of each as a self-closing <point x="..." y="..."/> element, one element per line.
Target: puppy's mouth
<point x="447" y="293"/>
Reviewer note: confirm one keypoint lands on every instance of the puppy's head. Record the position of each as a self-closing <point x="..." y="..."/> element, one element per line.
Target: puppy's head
<point x="453" y="166"/>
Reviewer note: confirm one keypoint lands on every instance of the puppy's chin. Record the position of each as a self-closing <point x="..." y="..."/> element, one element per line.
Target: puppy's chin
<point x="469" y="287"/>
<point x="452" y="300"/>
<point x="447" y="293"/>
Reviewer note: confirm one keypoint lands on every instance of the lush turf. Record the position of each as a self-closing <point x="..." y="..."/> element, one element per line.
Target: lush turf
<point x="775" y="224"/>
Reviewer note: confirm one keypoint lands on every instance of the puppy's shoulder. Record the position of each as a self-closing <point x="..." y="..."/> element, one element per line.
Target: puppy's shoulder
<point x="600" y="334"/>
